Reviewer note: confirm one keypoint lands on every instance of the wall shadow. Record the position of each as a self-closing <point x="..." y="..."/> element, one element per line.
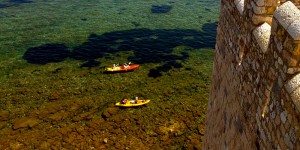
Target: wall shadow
<point x="148" y="46"/>
<point x="11" y="3"/>
<point x="46" y="54"/>
<point x="20" y="1"/>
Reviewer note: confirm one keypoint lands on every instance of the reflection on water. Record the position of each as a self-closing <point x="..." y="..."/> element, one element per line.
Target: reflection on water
<point x="54" y="93"/>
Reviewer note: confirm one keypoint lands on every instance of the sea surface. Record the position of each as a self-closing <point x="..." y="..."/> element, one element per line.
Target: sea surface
<point x="54" y="92"/>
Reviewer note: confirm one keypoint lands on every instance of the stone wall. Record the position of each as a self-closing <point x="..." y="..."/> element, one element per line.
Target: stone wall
<point x="254" y="99"/>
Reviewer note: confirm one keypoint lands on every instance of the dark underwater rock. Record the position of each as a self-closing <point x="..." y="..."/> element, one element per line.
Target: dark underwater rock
<point x="136" y="24"/>
<point x="110" y="112"/>
<point x="4" y="115"/>
<point x="161" y="9"/>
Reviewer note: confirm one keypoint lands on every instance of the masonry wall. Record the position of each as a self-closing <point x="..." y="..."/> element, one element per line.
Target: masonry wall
<point x="255" y="92"/>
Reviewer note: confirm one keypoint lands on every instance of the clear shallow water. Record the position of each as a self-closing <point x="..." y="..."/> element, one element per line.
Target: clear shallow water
<point x="53" y="53"/>
<point x="34" y="23"/>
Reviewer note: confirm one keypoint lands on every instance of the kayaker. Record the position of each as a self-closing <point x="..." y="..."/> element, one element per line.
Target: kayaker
<point x="125" y="65"/>
<point x="124" y="101"/>
<point x="133" y="101"/>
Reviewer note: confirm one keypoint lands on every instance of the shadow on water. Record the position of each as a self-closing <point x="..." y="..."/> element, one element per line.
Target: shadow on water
<point x="14" y="3"/>
<point x="148" y="46"/>
<point x="90" y="63"/>
<point x="20" y="1"/>
<point x="46" y="53"/>
<point x="4" y="5"/>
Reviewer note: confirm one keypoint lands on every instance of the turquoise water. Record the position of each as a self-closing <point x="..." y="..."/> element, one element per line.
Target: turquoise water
<point x="53" y="53"/>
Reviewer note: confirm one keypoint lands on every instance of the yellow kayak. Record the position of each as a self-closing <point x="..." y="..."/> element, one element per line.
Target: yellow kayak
<point x="132" y="103"/>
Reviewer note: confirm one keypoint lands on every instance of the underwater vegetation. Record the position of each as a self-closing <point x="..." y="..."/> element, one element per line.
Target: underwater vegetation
<point x="160" y="9"/>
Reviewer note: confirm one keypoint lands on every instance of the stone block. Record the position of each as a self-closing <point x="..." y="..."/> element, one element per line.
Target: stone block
<point x="280" y="61"/>
<point x="258" y="19"/>
<point x="293" y="135"/>
<point x="260" y="2"/>
<point x="262" y="36"/>
<point x="240" y="4"/>
<point x="274" y="28"/>
<point x="272" y="2"/>
<point x="288" y="142"/>
<point x="258" y="9"/>
<point x="294" y="30"/>
<point x="295" y="95"/>
<point x="286" y="14"/>
<point x="282" y="129"/>
<point x="283" y="116"/>
<point x="290" y="61"/>
<point x="277" y="120"/>
<point x="270" y="10"/>
<point x="290" y="71"/>
<point x="293" y="84"/>
<point x="296" y="50"/>
<point x="236" y="2"/>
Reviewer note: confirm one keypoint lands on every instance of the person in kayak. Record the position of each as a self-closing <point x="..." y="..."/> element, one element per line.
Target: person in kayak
<point x="125" y="65"/>
<point x="124" y="101"/>
<point x="133" y="101"/>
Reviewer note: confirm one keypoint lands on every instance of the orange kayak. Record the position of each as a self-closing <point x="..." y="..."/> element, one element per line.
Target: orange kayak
<point x="122" y="68"/>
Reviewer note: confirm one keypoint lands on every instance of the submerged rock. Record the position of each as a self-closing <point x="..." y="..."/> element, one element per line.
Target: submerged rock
<point x="26" y="122"/>
<point x="161" y="9"/>
<point x="58" y="116"/>
<point x="173" y="128"/>
<point x="4" y="116"/>
<point x="110" y="112"/>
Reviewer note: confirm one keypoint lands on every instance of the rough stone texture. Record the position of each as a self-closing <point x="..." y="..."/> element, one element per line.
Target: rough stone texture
<point x="296" y="98"/>
<point x="293" y="84"/>
<point x="287" y="13"/>
<point x="294" y="29"/>
<point x="262" y="35"/>
<point x="258" y="9"/>
<point x="240" y="5"/>
<point x="257" y="19"/>
<point x="255" y="91"/>
<point x="271" y="2"/>
<point x="260" y="2"/>
<point x="296" y="2"/>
